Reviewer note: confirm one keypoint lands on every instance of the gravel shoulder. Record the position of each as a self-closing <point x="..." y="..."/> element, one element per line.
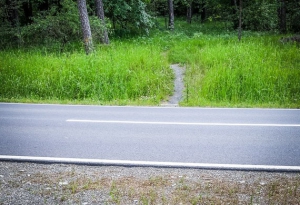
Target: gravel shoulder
<point x="30" y="183"/>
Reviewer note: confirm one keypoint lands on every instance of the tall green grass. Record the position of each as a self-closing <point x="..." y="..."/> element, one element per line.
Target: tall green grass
<point x="123" y="73"/>
<point x="259" y="71"/>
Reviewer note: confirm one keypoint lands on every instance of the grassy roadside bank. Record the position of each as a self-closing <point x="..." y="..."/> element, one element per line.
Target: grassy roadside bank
<point x="259" y="71"/>
<point x="118" y="74"/>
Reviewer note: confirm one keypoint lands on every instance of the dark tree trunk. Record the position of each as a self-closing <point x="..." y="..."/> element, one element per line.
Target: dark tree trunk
<point x="13" y="17"/>
<point x="239" y="9"/>
<point x="44" y="5"/>
<point x="282" y="16"/>
<point x="240" y="20"/>
<point x="85" y="26"/>
<point x="235" y="11"/>
<point x="16" y="24"/>
<point x="114" y="22"/>
<point x="171" y="14"/>
<point x="28" y="13"/>
<point x="189" y="12"/>
<point x="203" y="11"/>
<point x="12" y="12"/>
<point x="100" y="14"/>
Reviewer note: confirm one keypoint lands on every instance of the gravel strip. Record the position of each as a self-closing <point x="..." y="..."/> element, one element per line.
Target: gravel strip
<point x="30" y="183"/>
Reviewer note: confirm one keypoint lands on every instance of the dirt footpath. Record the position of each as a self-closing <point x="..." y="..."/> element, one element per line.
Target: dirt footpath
<point x="177" y="96"/>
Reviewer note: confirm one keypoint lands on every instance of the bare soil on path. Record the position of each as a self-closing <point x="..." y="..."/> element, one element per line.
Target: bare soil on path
<point x="175" y="99"/>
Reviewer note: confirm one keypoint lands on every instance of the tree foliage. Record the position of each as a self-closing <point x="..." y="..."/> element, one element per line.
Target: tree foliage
<point x="128" y="16"/>
<point x="59" y="23"/>
<point x="29" y="22"/>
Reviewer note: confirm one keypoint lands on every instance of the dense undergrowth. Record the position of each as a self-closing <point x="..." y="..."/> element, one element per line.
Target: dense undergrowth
<point x="259" y="71"/>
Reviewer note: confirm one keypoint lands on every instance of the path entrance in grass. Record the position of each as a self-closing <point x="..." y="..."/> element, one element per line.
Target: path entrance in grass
<point x="178" y="86"/>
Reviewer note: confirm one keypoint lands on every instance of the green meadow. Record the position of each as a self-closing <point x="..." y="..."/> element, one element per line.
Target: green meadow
<point x="122" y="73"/>
<point x="258" y="71"/>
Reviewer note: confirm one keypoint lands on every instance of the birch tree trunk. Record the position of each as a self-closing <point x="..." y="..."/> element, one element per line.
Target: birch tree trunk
<point x="171" y="14"/>
<point x="101" y="16"/>
<point x="85" y="26"/>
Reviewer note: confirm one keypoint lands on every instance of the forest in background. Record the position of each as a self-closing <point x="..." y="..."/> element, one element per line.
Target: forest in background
<point x="43" y="22"/>
<point x="237" y="53"/>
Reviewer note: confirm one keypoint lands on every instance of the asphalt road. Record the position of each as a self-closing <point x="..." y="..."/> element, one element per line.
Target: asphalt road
<point x="193" y="135"/>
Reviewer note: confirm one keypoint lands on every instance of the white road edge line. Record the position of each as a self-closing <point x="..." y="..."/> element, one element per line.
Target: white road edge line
<point x="150" y="107"/>
<point x="183" y="123"/>
<point x="129" y="163"/>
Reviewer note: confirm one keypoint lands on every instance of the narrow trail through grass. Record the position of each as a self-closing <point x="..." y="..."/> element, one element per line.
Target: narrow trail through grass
<point x="177" y="96"/>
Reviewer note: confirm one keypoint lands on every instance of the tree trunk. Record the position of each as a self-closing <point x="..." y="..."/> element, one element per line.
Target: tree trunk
<point x="240" y="20"/>
<point x="171" y="14"/>
<point x="13" y="17"/>
<point x="203" y="11"/>
<point x="44" y="5"/>
<point x="85" y="26"/>
<point x="282" y="16"/>
<point x="28" y="13"/>
<point x="240" y="10"/>
<point x="189" y="12"/>
<point x="12" y="12"/>
<point x="235" y="11"/>
<point x="100" y="14"/>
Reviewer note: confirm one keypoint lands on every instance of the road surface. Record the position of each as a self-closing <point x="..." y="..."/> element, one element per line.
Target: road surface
<point x="189" y="135"/>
